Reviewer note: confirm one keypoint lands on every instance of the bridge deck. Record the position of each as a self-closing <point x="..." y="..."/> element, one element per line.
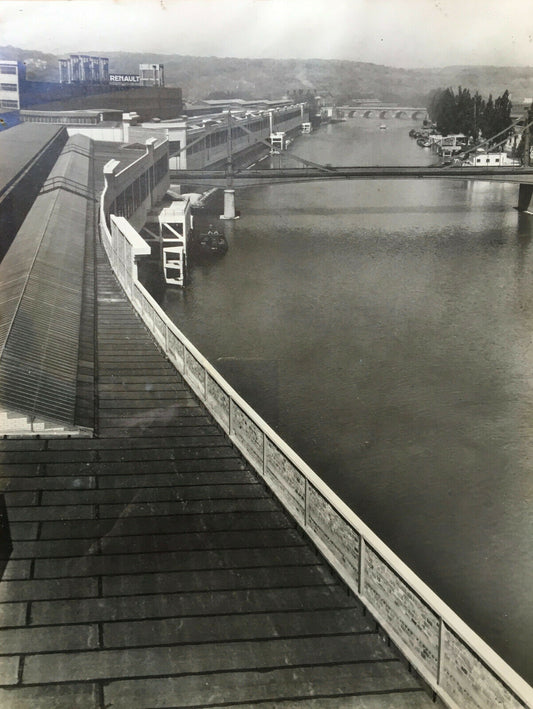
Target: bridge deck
<point x="253" y="177"/>
<point x="152" y="568"/>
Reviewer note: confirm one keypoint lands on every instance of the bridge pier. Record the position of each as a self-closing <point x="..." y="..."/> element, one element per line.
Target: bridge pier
<point x="525" y="193"/>
<point x="229" y="205"/>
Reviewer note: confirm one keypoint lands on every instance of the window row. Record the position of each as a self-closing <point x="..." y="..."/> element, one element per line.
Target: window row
<point x="128" y="201"/>
<point x="286" y="116"/>
<point x="53" y="118"/>
<point x="220" y="137"/>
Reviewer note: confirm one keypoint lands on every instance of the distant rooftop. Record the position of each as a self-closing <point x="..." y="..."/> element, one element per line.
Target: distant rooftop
<point x="72" y="112"/>
<point x="245" y="102"/>
<point x="19" y="146"/>
<point x="202" y="105"/>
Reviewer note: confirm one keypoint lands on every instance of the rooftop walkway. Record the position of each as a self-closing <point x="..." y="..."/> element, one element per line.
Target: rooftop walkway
<point x="152" y="568"/>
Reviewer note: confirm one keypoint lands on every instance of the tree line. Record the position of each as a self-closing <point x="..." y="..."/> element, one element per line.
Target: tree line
<point x="470" y="114"/>
<point x="521" y="147"/>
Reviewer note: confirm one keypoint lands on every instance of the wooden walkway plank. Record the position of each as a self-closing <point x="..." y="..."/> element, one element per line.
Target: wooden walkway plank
<point x="411" y="699"/>
<point x="114" y="565"/>
<point x="215" y="579"/>
<point x="300" y="684"/>
<point x="207" y="602"/>
<point x="82" y="695"/>
<point x="124" y="526"/>
<point x="132" y="444"/>
<point x="142" y="543"/>
<point x="224" y="628"/>
<point x="210" y="657"/>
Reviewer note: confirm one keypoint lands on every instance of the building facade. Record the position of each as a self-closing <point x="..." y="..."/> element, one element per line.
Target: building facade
<point x="85" y="117"/>
<point x="84" y="69"/>
<point x="151" y="74"/>
<point x="202" y="141"/>
<point x="10" y="74"/>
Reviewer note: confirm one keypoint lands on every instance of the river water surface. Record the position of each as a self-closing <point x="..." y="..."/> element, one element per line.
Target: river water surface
<point x="385" y="330"/>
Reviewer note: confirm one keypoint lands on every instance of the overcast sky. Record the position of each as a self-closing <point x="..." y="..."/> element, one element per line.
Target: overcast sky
<point x="405" y="33"/>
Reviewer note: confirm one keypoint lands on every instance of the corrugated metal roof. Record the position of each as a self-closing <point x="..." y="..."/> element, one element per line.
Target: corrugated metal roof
<point x="41" y="281"/>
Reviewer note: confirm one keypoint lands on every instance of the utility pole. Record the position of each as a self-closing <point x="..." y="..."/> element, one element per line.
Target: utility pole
<point x="229" y="192"/>
<point x="527" y="148"/>
<point x="229" y="166"/>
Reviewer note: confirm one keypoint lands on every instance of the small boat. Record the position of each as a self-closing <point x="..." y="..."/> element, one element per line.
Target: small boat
<point x="383" y="127"/>
<point x="211" y="243"/>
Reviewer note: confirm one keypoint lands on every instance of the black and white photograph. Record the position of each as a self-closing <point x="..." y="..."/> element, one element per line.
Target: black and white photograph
<point x="266" y="354"/>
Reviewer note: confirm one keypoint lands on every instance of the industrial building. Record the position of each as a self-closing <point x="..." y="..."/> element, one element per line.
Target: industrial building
<point x="201" y="141"/>
<point x="84" y="69"/>
<point x="194" y="142"/>
<point x="152" y="74"/>
<point x="10" y="74"/>
<point x="89" y="116"/>
<point x="86" y="83"/>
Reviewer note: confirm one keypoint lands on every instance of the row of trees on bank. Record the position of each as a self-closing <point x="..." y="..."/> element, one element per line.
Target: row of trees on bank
<point x="471" y="114"/>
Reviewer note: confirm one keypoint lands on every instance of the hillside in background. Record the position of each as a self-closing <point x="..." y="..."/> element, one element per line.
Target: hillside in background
<point x="262" y="78"/>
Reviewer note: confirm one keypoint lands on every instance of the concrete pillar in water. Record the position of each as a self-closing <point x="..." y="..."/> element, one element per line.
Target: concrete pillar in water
<point x="525" y="193"/>
<point x="229" y="205"/>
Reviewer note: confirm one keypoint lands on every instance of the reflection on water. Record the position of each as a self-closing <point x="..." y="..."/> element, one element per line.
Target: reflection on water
<point x="385" y="331"/>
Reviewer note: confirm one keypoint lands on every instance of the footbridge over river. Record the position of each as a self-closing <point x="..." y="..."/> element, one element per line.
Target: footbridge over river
<point x="253" y="177"/>
<point x="230" y="179"/>
<point x="167" y="547"/>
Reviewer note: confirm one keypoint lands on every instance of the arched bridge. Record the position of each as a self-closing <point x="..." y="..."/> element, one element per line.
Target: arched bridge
<point x="383" y="111"/>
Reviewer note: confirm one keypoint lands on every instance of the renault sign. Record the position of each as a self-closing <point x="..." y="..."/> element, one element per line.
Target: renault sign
<point x="124" y="78"/>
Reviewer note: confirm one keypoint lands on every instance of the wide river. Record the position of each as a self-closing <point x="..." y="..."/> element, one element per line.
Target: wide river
<point x="385" y="330"/>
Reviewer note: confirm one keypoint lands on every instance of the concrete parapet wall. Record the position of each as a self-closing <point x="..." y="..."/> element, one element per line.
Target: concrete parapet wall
<point x="454" y="661"/>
